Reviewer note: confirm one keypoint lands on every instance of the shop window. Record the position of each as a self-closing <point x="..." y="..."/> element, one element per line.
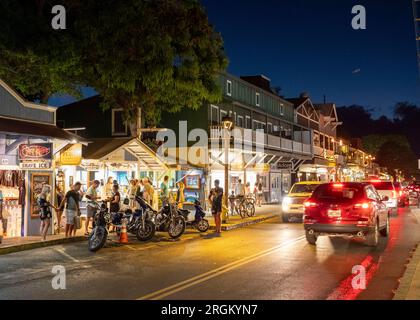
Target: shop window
<point x="257" y="99"/>
<point x="119" y="126"/>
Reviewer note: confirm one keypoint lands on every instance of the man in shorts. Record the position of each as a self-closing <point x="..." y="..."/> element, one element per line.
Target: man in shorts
<point x="91" y="196"/>
<point x="216" y="197"/>
<point x="72" y="209"/>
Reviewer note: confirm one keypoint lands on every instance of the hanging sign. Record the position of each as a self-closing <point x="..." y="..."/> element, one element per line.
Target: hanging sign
<point x="284" y="165"/>
<point x="72" y="155"/>
<point x="38" y="151"/>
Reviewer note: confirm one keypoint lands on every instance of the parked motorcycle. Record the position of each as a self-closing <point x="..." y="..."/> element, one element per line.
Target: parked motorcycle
<point x="169" y="219"/>
<point x="102" y="220"/>
<point x="144" y="227"/>
<point x="199" y="222"/>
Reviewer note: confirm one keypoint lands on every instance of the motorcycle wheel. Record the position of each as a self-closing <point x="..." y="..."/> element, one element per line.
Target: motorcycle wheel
<point x="97" y="239"/>
<point x="147" y="233"/>
<point x="203" y="225"/>
<point x="177" y="229"/>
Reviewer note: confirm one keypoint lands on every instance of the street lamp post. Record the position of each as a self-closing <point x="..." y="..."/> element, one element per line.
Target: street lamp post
<point x="227" y="123"/>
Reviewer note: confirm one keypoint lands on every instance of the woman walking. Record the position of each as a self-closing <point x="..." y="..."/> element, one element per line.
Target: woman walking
<point x="45" y="213"/>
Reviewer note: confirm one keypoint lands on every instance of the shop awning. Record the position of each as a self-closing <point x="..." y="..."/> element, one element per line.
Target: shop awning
<point x="33" y="129"/>
<point x="104" y="149"/>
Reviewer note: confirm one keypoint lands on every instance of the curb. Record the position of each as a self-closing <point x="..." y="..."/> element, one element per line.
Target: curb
<point x="39" y="244"/>
<point x="227" y="227"/>
<point x="406" y="281"/>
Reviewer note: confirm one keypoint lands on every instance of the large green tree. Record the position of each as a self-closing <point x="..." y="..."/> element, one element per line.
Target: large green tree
<point x="153" y="55"/>
<point x="35" y="59"/>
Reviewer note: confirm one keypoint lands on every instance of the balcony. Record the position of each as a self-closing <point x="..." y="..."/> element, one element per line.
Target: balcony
<point x="271" y="141"/>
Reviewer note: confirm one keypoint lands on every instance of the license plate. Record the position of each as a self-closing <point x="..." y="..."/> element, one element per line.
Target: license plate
<point x="334" y="213"/>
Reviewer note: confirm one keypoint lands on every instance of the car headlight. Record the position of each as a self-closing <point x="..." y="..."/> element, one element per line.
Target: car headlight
<point x="287" y="201"/>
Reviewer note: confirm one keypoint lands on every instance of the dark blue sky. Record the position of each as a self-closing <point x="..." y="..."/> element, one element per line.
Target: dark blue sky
<point x="308" y="45"/>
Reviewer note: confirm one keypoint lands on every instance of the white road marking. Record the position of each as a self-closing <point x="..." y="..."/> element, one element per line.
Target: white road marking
<point x="67" y="255"/>
<point x="162" y="293"/>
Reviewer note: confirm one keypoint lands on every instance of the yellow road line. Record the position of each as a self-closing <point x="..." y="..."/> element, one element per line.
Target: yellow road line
<point x="162" y="293"/>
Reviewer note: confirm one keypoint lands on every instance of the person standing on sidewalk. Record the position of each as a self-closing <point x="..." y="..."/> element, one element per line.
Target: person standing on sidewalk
<point x="164" y="190"/>
<point x="216" y="198"/>
<point x="72" y="209"/>
<point x="92" y="196"/>
<point x="59" y="197"/>
<point x="45" y="213"/>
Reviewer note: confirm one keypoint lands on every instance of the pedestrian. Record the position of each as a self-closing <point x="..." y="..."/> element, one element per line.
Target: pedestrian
<point x="164" y="190"/>
<point x="131" y="194"/>
<point x="247" y="189"/>
<point x="71" y="207"/>
<point x="3" y="218"/>
<point x="91" y="196"/>
<point x="148" y="191"/>
<point x="180" y="194"/>
<point x="45" y="213"/>
<point x="59" y="193"/>
<point x="115" y="199"/>
<point x="216" y="197"/>
<point x="260" y="194"/>
<point x="107" y="192"/>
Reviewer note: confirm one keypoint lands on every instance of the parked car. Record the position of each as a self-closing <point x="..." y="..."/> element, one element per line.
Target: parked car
<point x="402" y="194"/>
<point x="292" y="205"/>
<point x="386" y="189"/>
<point x="352" y="209"/>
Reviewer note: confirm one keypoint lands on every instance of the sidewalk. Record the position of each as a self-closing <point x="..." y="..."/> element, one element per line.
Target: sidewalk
<point x="10" y="245"/>
<point x="409" y="287"/>
<point x="266" y="212"/>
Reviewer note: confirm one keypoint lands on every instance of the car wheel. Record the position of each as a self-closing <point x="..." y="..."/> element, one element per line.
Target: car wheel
<point x="372" y="238"/>
<point x="385" y="231"/>
<point x="311" y="238"/>
<point x="285" y="217"/>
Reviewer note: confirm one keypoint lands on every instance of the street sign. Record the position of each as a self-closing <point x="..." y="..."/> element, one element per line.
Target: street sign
<point x="284" y="165"/>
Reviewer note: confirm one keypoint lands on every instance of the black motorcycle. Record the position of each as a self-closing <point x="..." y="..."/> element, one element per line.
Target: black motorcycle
<point x="144" y="226"/>
<point x="169" y="219"/>
<point x="103" y="220"/>
<point x="199" y="222"/>
<point x="99" y="234"/>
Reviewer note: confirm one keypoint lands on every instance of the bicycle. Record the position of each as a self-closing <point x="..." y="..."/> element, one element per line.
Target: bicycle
<point x="244" y="206"/>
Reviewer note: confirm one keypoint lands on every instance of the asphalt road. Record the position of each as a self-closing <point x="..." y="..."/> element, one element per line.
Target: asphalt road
<point x="266" y="261"/>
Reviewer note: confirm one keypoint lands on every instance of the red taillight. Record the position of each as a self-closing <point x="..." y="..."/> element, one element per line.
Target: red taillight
<point x="310" y="204"/>
<point x="364" y="205"/>
<point x="338" y="185"/>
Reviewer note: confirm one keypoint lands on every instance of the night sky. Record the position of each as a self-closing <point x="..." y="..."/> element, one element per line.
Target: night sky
<point x="310" y="46"/>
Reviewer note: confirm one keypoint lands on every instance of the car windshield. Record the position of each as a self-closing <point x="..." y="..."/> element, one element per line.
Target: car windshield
<point x="304" y="188"/>
<point x="383" y="185"/>
<point x="339" y="193"/>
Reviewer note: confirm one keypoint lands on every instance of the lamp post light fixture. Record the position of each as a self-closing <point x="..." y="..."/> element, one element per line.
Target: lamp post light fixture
<point x="227" y="123"/>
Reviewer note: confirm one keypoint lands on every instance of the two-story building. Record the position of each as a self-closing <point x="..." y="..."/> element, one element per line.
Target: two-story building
<point x="273" y="155"/>
<point x="31" y="146"/>
<point x="323" y="120"/>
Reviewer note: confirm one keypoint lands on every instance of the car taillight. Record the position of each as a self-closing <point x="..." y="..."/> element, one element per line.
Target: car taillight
<point x="310" y="204"/>
<point x="364" y="205"/>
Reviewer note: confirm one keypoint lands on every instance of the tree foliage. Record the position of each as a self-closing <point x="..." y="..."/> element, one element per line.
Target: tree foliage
<point x="157" y="55"/>
<point x="35" y="59"/>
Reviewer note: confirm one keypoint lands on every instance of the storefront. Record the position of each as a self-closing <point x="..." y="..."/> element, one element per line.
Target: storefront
<point x="29" y="140"/>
